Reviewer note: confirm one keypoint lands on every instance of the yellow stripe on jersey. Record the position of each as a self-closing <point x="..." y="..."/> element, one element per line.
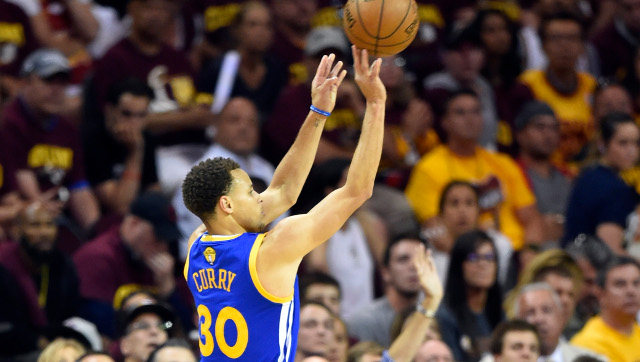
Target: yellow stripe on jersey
<point x="253" y="256"/>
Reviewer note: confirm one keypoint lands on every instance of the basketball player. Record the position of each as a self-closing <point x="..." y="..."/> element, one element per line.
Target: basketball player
<point x="244" y="281"/>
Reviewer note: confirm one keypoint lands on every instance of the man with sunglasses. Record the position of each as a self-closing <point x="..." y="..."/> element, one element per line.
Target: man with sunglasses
<point x="44" y="147"/>
<point x="119" y="156"/>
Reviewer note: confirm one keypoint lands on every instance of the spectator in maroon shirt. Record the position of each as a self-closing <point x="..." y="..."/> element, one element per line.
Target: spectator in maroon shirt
<point x="616" y="44"/>
<point x="129" y="256"/>
<point x="120" y="157"/>
<point x="144" y="54"/>
<point x="292" y="25"/>
<point x="45" y="276"/>
<point x="46" y="157"/>
<point x="18" y="42"/>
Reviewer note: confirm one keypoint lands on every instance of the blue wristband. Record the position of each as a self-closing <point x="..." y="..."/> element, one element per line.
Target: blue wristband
<point x="320" y="111"/>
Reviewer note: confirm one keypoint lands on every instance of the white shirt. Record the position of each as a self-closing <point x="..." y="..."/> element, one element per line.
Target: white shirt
<point x="253" y="165"/>
<point x="556" y="356"/>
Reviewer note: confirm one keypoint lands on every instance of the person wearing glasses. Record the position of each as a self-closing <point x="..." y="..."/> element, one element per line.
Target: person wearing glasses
<point x="471" y="309"/>
<point x="120" y="157"/>
<point x="144" y="328"/>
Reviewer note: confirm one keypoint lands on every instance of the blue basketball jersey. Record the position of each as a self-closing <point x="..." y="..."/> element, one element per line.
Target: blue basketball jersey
<point x="238" y="318"/>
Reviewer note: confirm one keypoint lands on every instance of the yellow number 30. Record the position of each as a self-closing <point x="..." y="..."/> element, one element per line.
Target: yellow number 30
<point x="227" y="313"/>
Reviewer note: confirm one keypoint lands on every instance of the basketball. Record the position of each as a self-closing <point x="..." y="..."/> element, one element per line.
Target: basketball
<point x="382" y="27"/>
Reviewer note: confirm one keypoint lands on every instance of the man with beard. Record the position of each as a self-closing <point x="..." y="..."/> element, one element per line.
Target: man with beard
<point x="538" y="134"/>
<point x="373" y="321"/>
<point x="615" y="333"/>
<point x="46" y="277"/>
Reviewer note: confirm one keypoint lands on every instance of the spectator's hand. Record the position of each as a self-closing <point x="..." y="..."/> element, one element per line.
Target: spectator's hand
<point x="51" y="201"/>
<point x="161" y="264"/>
<point x="368" y="77"/>
<point x="129" y="134"/>
<point x="429" y="280"/>
<point x="324" y="87"/>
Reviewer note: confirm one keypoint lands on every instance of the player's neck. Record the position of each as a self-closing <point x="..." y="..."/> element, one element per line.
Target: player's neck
<point x="226" y="226"/>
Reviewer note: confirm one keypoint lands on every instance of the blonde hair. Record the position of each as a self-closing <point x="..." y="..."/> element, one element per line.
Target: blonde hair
<point x="553" y="259"/>
<point x="55" y="348"/>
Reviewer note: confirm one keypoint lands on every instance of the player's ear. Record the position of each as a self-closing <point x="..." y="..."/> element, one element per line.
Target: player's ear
<point x="226" y="205"/>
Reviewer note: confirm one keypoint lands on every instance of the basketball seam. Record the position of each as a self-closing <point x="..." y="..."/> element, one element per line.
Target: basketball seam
<point x="360" y="20"/>
<point x="401" y="22"/>
<point x="380" y="46"/>
<point x="375" y="49"/>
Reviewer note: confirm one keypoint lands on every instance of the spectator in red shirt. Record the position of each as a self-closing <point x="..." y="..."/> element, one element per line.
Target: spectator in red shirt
<point x="129" y="256"/>
<point x="46" y="157"/>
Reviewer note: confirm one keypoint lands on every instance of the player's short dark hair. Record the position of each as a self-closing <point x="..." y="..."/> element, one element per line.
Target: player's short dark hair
<point x="398" y="239"/>
<point x="514" y="325"/>
<point x="133" y="86"/>
<point x="559" y="16"/>
<point x="616" y="262"/>
<point x="465" y="92"/>
<point x="173" y="342"/>
<point x="314" y="278"/>
<point x="206" y="183"/>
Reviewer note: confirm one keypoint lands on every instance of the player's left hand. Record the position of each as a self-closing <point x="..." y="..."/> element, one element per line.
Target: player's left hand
<point x="324" y="87"/>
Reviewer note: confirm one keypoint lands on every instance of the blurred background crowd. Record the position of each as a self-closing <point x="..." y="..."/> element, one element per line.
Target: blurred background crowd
<point x="512" y="149"/>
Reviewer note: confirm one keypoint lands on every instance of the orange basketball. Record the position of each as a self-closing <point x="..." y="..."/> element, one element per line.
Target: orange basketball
<point x="383" y="27"/>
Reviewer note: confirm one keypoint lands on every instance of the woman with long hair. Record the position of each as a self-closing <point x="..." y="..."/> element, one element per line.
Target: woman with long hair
<point x="471" y="307"/>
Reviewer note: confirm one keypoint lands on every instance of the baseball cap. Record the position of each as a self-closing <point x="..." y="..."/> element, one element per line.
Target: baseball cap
<point x="45" y="63"/>
<point x="153" y="207"/>
<point x="530" y="110"/>
<point x="326" y="37"/>
<point x="148" y="307"/>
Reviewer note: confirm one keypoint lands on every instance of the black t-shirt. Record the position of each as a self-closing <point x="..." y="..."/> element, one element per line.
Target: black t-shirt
<point x="105" y="159"/>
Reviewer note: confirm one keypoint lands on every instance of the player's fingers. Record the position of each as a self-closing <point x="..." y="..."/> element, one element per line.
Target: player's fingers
<point x="336" y="69"/>
<point x="321" y="66"/>
<point x="356" y="58"/>
<point x="329" y="64"/>
<point x="375" y="67"/>
<point x="364" y="60"/>
<point x="341" y="77"/>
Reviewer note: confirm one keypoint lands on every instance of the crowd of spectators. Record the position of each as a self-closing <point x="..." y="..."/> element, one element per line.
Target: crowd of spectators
<point x="511" y="150"/>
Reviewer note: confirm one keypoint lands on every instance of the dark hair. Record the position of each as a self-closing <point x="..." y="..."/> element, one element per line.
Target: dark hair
<point x="514" y="325"/>
<point x="173" y="342"/>
<point x="206" y="183"/>
<point x="459" y="93"/>
<point x="511" y="63"/>
<point x="313" y="302"/>
<point x="610" y="122"/>
<point x="132" y="86"/>
<point x="449" y="187"/>
<point x="310" y="279"/>
<point x="455" y="296"/>
<point x="402" y="237"/>
<point x="330" y="172"/>
<point x="616" y="262"/>
<point x="93" y="353"/>
<point x="586" y="358"/>
<point x="560" y="16"/>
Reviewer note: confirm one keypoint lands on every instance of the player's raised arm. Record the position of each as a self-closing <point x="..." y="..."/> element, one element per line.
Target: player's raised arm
<point x="294" y="168"/>
<point x="295" y="236"/>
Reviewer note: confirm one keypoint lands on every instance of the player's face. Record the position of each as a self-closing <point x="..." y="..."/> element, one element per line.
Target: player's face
<point x="401" y="274"/>
<point x="316" y="330"/>
<point x="247" y="203"/>
<point x="144" y="335"/>
<point x="326" y="294"/>
<point x="519" y="346"/>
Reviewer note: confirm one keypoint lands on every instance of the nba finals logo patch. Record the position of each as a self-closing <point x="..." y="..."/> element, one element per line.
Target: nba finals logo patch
<point x="210" y="255"/>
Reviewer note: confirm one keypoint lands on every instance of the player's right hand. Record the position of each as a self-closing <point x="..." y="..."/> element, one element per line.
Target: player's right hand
<point x="368" y="77"/>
